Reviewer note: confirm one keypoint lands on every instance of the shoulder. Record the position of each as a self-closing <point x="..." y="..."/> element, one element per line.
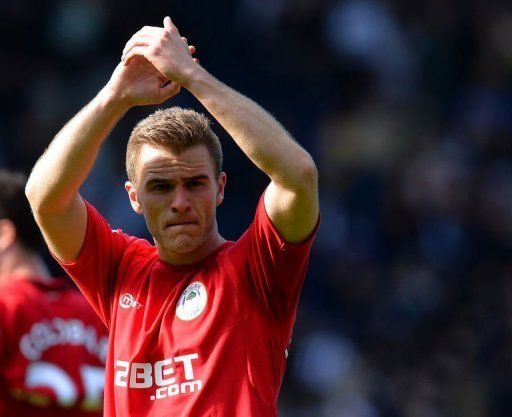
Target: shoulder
<point x="12" y="292"/>
<point x="18" y="300"/>
<point x="137" y="260"/>
<point x="139" y="249"/>
<point x="226" y="251"/>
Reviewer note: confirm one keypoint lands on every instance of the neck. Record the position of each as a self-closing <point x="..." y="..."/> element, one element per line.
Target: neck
<point x="17" y="263"/>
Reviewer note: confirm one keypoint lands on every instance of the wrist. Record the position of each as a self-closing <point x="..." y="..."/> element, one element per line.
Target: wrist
<point x="113" y="101"/>
<point x="196" y="80"/>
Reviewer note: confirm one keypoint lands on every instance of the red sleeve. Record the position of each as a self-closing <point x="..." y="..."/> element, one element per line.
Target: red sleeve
<point x="95" y="270"/>
<point x="273" y="269"/>
<point x="3" y="334"/>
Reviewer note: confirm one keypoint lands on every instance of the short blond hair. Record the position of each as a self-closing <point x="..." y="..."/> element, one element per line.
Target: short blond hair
<point x="174" y="129"/>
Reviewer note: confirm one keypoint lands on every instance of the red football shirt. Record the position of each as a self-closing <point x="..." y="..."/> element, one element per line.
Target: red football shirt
<point x="52" y="351"/>
<point x="201" y="340"/>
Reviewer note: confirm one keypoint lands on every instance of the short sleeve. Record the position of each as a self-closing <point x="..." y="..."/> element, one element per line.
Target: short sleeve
<point x="272" y="269"/>
<point x="3" y="333"/>
<point x="95" y="270"/>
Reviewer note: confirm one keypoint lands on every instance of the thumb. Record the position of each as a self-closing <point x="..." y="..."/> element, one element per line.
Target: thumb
<point x="170" y="89"/>
<point x="168" y="25"/>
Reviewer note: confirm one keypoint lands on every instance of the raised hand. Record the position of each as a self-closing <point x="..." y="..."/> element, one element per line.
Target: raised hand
<point x="140" y="83"/>
<point x="165" y="48"/>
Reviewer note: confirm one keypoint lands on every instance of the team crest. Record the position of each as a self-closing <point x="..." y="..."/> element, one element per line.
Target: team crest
<point x="192" y="301"/>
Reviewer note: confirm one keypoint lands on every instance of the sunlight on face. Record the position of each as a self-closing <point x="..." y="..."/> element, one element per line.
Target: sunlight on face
<point x="178" y="195"/>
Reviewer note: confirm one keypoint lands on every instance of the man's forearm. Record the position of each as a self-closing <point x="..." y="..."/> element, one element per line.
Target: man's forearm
<point x="256" y="132"/>
<point x="61" y="170"/>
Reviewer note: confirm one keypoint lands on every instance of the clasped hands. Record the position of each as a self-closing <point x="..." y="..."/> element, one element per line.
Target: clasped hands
<point x="156" y="63"/>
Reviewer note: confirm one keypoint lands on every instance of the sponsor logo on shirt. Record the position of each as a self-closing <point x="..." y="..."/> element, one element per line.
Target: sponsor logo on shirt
<point x="162" y="374"/>
<point x="192" y="301"/>
<point x="128" y="301"/>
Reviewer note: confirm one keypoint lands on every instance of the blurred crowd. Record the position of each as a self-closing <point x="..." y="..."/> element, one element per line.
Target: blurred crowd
<point x="407" y="109"/>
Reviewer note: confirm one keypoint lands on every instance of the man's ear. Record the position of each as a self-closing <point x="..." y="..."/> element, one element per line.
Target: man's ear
<point x="7" y="234"/>
<point x="132" y="195"/>
<point x="221" y="186"/>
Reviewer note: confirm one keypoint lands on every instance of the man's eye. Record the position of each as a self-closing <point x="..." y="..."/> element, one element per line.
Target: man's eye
<point x="161" y="187"/>
<point x="195" y="183"/>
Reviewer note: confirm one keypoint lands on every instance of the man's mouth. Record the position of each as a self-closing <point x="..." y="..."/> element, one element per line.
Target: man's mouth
<point x="180" y="224"/>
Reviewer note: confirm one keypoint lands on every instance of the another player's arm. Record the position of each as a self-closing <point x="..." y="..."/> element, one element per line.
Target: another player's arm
<point x="53" y="186"/>
<point x="291" y="199"/>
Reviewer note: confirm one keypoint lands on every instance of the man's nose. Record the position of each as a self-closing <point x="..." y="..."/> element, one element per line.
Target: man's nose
<point x="180" y="202"/>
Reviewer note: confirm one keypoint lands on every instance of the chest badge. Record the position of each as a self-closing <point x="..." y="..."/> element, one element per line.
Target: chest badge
<point x="192" y="301"/>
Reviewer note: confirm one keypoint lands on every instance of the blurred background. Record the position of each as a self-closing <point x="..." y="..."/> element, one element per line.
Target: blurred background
<point x="407" y="109"/>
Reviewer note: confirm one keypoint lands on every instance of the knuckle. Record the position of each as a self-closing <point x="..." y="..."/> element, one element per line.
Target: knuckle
<point x="166" y="35"/>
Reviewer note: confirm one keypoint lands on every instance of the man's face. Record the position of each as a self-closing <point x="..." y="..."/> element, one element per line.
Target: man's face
<point x="178" y="195"/>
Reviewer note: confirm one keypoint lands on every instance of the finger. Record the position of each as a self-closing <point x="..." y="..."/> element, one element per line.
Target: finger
<point x="134" y="42"/>
<point x="140" y="60"/>
<point x="140" y="35"/>
<point x="170" y="26"/>
<point x="149" y="31"/>
<point x="149" y="67"/>
<point x="170" y="89"/>
<point x="167" y="23"/>
<point x="184" y="39"/>
<point x="134" y="52"/>
<point x="191" y="49"/>
<point x="196" y="60"/>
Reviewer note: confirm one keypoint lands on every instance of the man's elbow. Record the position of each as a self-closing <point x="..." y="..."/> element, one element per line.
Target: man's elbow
<point x="307" y="171"/>
<point x="297" y="173"/>
<point x="31" y="192"/>
<point x="36" y="197"/>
